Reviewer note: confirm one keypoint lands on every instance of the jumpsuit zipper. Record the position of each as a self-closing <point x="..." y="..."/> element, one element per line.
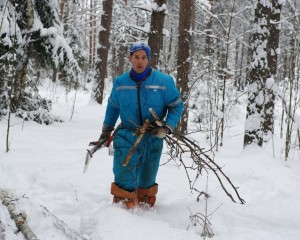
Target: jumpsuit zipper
<point x="139" y="102"/>
<point x="139" y="94"/>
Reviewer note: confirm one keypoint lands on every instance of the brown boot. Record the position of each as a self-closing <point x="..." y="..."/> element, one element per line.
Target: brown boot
<point x="129" y="199"/>
<point x="147" y="196"/>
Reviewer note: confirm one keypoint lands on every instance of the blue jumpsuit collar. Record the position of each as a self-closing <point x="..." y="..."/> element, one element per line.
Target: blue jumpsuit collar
<point x="139" y="77"/>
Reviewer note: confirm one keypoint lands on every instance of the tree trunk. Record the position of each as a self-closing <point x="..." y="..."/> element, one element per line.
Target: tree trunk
<point x="8" y="129"/>
<point x="102" y="50"/>
<point x="208" y="33"/>
<point x="21" y="71"/>
<point x="29" y="14"/>
<point x="293" y="89"/>
<point x="273" y="43"/>
<point x="237" y="60"/>
<point x="62" y="7"/>
<point x="91" y="36"/>
<point x="258" y="74"/>
<point x="122" y="52"/>
<point x="20" y="218"/>
<point x="183" y="60"/>
<point x="225" y="74"/>
<point x="261" y="97"/>
<point x="241" y="75"/>
<point x="156" y="31"/>
<point x="94" y="34"/>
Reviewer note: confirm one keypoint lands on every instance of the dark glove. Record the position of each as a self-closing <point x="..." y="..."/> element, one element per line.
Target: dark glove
<point x="160" y="132"/>
<point x="103" y="137"/>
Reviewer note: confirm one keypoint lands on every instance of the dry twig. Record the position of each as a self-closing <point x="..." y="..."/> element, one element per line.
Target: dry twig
<point x="142" y="131"/>
<point x="180" y="145"/>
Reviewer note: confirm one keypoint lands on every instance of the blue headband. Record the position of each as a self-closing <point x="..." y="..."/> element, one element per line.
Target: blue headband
<point x="141" y="46"/>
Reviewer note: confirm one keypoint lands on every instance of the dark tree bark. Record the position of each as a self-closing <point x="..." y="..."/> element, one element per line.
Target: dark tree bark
<point x="260" y="109"/>
<point x="156" y="31"/>
<point x="91" y="36"/>
<point x="258" y="74"/>
<point x="62" y="8"/>
<point x="183" y="61"/>
<point x="273" y="43"/>
<point x="208" y="33"/>
<point x="22" y="66"/>
<point x="102" y="50"/>
<point x="121" y="55"/>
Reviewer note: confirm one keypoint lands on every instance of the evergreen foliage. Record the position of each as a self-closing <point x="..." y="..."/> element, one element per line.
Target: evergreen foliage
<point x="66" y="33"/>
<point x="25" y="51"/>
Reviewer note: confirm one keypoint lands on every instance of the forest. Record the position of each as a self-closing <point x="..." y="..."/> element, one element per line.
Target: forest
<point x="218" y="51"/>
<point x="228" y="58"/>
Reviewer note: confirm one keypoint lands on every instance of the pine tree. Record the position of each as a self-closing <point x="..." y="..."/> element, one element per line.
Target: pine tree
<point x="102" y="51"/>
<point x="156" y="31"/>
<point x="31" y="34"/>
<point x="260" y="108"/>
<point x="183" y="60"/>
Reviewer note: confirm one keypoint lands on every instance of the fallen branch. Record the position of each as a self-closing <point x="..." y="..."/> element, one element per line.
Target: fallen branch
<point x="61" y="225"/>
<point x="179" y="145"/>
<point x="2" y="231"/>
<point x="18" y="217"/>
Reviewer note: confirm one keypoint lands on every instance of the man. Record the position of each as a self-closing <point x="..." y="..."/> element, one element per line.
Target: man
<point x="133" y="94"/>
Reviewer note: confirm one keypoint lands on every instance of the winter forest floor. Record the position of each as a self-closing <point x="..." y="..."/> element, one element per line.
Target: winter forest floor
<point x="43" y="169"/>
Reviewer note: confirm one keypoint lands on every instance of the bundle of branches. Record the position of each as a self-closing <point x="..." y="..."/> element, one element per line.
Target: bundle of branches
<point x="180" y="145"/>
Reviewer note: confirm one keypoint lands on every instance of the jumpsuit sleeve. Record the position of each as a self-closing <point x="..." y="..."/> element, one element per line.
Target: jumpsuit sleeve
<point x="173" y="104"/>
<point x="112" y="111"/>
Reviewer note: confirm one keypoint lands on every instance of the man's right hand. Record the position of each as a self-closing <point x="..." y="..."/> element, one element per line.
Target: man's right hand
<point x="103" y="137"/>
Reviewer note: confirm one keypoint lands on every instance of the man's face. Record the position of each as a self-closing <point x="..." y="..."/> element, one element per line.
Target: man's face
<point x="139" y="61"/>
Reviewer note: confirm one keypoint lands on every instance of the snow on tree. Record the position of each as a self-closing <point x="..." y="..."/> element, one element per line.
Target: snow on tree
<point x="31" y="39"/>
<point x="261" y="96"/>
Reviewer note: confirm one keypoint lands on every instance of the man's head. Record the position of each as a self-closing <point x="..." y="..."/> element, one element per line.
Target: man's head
<point x="140" y="46"/>
<point x="140" y="54"/>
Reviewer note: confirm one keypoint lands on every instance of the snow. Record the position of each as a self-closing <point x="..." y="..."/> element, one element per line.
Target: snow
<point x="58" y="42"/>
<point x="270" y="83"/>
<point x="7" y="226"/>
<point x="281" y="2"/>
<point x="297" y="118"/>
<point x="145" y="29"/>
<point x="44" y="168"/>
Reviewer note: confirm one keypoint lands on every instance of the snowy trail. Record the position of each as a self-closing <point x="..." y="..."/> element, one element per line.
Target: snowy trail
<point x="46" y="163"/>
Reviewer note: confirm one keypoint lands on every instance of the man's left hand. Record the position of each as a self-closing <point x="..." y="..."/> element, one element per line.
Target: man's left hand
<point x="160" y="132"/>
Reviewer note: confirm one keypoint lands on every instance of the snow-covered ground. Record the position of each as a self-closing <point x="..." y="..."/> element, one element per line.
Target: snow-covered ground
<point x="44" y="169"/>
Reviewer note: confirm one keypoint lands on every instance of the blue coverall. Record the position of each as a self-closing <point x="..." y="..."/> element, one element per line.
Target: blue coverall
<point x="131" y="101"/>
